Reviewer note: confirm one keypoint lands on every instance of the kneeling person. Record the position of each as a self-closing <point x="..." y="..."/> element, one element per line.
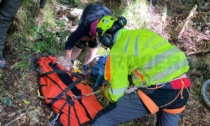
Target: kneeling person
<point x="155" y="66"/>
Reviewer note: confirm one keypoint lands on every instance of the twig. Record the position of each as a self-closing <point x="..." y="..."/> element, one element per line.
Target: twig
<point x="198" y="52"/>
<point x="187" y="20"/>
<point x="14" y="120"/>
<point x="19" y="117"/>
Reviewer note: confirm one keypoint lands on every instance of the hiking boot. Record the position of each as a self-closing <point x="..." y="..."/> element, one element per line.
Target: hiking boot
<point x="2" y="63"/>
<point x="42" y="3"/>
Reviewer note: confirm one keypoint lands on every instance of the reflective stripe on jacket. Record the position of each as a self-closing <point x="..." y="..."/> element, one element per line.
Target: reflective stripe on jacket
<point x="142" y="52"/>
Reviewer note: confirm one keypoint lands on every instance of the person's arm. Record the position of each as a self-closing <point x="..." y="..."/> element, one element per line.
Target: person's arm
<point x="116" y="73"/>
<point x="68" y="54"/>
<point x="75" y="36"/>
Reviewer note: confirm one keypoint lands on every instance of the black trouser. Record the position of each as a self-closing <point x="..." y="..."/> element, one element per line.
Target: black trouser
<point x="8" y="9"/>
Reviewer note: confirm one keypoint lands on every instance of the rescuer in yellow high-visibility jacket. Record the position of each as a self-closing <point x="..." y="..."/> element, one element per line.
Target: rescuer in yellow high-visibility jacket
<point x="155" y="66"/>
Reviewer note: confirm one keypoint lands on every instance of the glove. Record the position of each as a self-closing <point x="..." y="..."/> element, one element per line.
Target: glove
<point x="103" y="88"/>
<point x="131" y="90"/>
<point x="85" y="70"/>
<point x="105" y="92"/>
<point x="66" y="63"/>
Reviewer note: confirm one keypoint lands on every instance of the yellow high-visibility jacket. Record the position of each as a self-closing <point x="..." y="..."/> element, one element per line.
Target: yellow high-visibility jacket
<point x="146" y="56"/>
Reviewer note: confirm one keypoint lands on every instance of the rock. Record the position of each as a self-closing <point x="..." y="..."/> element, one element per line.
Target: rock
<point x="75" y="22"/>
<point x="206" y="32"/>
<point x="75" y="13"/>
<point x="73" y="28"/>
<point x="70" y="17"/>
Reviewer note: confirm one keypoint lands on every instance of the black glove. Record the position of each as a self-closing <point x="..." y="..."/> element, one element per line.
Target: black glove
<point x="85" y="70"/>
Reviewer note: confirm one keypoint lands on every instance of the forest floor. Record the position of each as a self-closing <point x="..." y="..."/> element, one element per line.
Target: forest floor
<point x="191" y="35"/>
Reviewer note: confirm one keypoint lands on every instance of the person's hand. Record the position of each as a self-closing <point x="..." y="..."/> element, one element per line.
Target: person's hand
<point x="105" y="92"/>
<point x="68" y="54"/>
<point x="65" y="62"/>
<point x="103" y="88"/>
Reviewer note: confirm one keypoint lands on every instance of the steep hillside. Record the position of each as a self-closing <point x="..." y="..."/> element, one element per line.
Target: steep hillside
<point x="36" y="31"/>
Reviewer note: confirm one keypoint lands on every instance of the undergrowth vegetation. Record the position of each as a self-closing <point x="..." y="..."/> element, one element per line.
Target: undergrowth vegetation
<point x="137" y="14"/>
<point x="46" y="40"/>
<point x="32" y="33"/>
<point x="37" y="33"/>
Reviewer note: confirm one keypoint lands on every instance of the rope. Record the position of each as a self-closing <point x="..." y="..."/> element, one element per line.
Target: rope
<point x="86" y="95"/>
<point x="180" y="93"/>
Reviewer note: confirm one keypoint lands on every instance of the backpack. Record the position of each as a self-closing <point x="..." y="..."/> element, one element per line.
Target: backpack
<point x="73" y="102"/>
<point x="97" y="71"/>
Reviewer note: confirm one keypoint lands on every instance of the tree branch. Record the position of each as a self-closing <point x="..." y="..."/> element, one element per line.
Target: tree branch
<point x="187" y="20"/>
<point x="198" y="52"/>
